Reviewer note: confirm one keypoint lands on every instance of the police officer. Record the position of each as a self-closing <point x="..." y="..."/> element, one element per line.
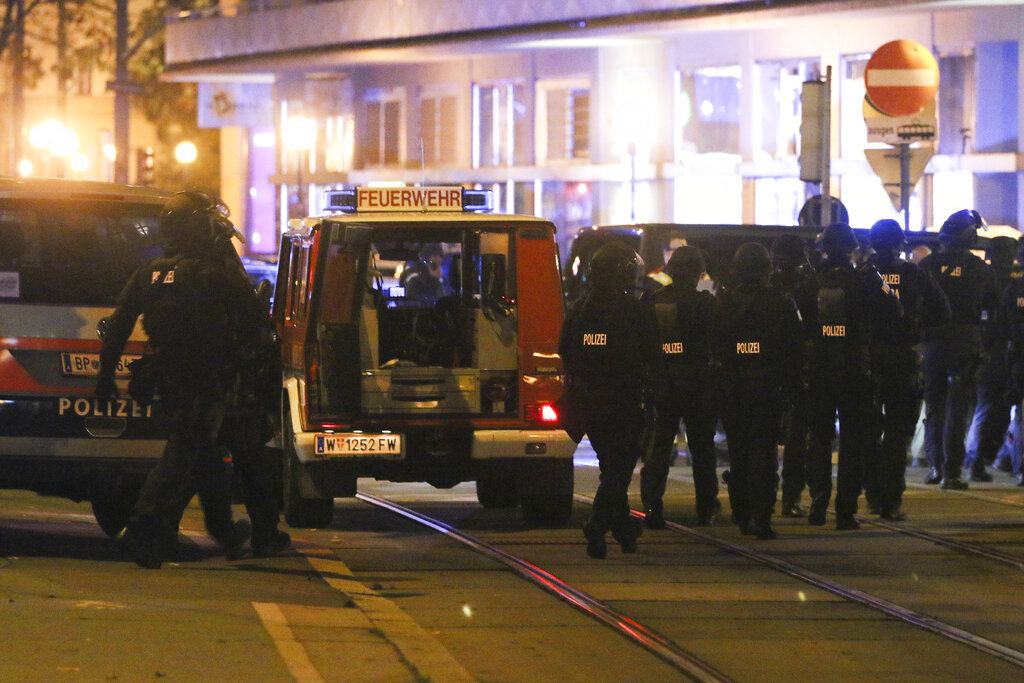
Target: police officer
<point x="195" y="310"/>
<point x="953" y="353"/>
<point x="992" y="410"/>
<point x="849" y="303"/>
<point x="684" y="317"/>
<point x="757" y="338"/>
<point x="1010" y="339"/>
<point x="895" y="363"/>
<point x="793" y="275"/>
<point x="609" y="346"/>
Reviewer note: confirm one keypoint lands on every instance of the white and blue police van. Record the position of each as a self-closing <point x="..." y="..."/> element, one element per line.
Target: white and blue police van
<point x="66" y="250"/>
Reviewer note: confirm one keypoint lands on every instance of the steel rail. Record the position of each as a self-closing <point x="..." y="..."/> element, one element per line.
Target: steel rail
<point x="909" y="616"/>
<point x="657" y="644"/>
<point x="964" y="546"/>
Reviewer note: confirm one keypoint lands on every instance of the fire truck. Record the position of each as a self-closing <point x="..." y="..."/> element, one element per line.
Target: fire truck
<point x="419" y="336"/>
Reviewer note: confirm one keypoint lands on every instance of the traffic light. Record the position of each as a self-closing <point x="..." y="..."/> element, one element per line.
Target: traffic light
<point x="814" y="131"/>
<point x="144" y="166"/>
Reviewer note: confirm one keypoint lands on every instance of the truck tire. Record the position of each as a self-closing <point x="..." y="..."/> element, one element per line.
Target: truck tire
<point x="300" y="512"/>
<point x="497" y="492"/>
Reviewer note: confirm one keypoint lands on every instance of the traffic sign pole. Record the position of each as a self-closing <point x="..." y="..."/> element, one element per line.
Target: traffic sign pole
<point x="906" y="187"/>
<point x="826" y="152"/>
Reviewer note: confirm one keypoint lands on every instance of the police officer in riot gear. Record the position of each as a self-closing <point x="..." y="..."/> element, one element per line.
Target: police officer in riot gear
<point x="684" y="317"/>
<point x="849" y="304"/>
<point x="1010" y="340"/>
<point x="992" y="410"/>
<point x="793" y="275"/>
<point x="757" y="338"/>
<point x="895" y="361"/>
<point x="953" y="358"/>
<point x="197" y="310"/>
<point x="609" y="346"/>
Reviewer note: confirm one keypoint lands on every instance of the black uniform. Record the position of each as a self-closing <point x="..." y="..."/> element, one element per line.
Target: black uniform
<point x="758" y="340"/>
<point x="896" y="366"/>
<point x="684" y="318"/>
<point x="1010" y="332"/>
<point x="953" y="359"/>
<point x="849" y="304"/>
<point x="992" y="410"/>
<point x="800" y="284"/>
<point x="609" y="346"/>
<point x="196" y="311"/>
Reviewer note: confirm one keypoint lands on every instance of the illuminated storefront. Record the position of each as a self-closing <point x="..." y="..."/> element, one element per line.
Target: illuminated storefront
<point x="680" y="119"/>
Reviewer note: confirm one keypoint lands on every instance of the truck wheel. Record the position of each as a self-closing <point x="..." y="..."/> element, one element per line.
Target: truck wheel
<point x="300" y="512"/>
<point x="497" y="492"/>
<point x="547" y="509"/>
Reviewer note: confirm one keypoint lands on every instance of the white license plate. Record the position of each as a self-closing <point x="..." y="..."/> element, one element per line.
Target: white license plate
<point x="364" y="445"/>
<point x="88" y="364"/>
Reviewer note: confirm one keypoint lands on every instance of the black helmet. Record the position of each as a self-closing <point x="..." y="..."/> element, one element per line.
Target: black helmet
<point x="194" y="222"/>
<point x="751" y="263"/>
<point x="789" y="251"/>
<point x="614" y="267"/>
<point x="686" y="263"/>
<point x="1001" y="251"/>
<point x="838" y="238"/>
<point x="887" y="234"/>
<point x="961" y="228"/>
<point x="1020" y="250"/>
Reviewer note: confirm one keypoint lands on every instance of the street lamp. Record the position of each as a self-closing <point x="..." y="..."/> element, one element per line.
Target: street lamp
<point x="185" y="153"/>
<point x="299" y="136"/>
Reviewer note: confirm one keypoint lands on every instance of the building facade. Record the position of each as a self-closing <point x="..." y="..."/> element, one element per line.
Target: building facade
<point x="66" y="127"/>
<point x="593" y="111"/>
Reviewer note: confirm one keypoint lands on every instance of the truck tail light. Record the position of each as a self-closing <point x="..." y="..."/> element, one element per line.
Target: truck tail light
<point x="541" y="412"/>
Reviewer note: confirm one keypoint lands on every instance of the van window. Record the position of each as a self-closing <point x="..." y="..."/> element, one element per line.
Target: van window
<point x="432" y="293"/>
<point x="73" y="254"/>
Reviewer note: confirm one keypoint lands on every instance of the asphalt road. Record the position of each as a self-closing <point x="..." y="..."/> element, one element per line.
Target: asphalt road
<point x="375" y="598"/>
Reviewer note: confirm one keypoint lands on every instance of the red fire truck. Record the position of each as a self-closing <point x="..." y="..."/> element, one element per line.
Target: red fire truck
<point x="419" y="340"/>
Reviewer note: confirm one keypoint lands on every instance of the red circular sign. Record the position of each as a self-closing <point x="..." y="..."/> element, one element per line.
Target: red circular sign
<point x="901" y="78"/>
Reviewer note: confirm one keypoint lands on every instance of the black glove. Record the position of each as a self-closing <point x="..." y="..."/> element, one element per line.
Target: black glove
<point x="106" y="388"/>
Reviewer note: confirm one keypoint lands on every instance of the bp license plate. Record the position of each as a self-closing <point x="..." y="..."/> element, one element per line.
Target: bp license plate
<point x="359" y="445"/>
<point x="88" y="364"/>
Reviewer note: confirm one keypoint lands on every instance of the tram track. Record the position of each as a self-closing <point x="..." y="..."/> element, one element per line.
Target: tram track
<point x="684" y="661"/>
<point x="680" y="658"/>
<point x="894" y="610"/>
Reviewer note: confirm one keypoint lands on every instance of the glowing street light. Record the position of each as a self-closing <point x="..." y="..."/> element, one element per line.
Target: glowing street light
<point x="185" y="152"/>
<point x="25" y="168"/>
<point x="65" y="143"/>
<point x="79" y="162"/>
<point x="299" y="135"/>
<point x="43" y="135"/>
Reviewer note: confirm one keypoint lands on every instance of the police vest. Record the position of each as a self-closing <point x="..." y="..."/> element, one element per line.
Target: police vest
<point x="749" y="334"/>
<point x="605" y="342"/>
<point x="962" y="277"/>
<point x="683" y="322"/>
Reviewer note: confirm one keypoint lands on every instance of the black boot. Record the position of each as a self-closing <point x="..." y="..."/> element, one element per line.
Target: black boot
<point x="654" y="518"/>
<point x="819" y="504"/>
<point x="597" y="547"/>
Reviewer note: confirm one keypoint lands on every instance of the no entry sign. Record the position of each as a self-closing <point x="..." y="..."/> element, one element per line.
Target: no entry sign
<point x="901" y="78"/>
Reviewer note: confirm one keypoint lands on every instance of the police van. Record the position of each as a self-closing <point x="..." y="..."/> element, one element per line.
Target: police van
<point x="419" y="337"/>
<point x="66" y="249"/>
